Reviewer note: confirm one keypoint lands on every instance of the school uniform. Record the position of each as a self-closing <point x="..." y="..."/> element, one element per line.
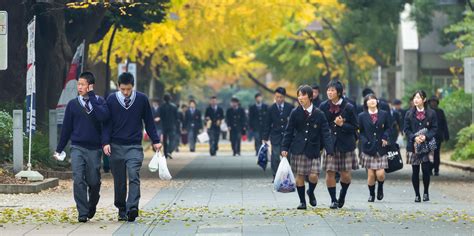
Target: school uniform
<point x="83" y="126"/>
<point x="257" y="120"/>
<point x="343" y="139"/>
<point x="192" y="124"/>
<point x="441" y="135"/>
<point x="415" y="121"/>
<point x="305" y="136"/>
<point x="277" y="119"/>
<point x="215" y="115"/>
<point x="123" y="131"/>
<point x="373" y="129"/>
<point x="170" y="127"/>
<point x="156" y="113"/>
<point x="236" y="121"/>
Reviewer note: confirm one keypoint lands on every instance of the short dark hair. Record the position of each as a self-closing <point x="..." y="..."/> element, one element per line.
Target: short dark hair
<point x="155" y="100"/>
<point x="337" y="85"/>
<point x="305" y="90"/>
<point x="234" y="99"/>
<point x="281" y="91"/>
<point x="192" y="101"/>
<point x="126" y="78"/>
<point x="258" y="95"/>
<point x="184" y="106"/>
<point x="367" y="98"/>
<point x="367" y="91"/>
<point x="315" y="86"/>
<point x="397" y="102"/>
<point x="167" y="97"/>
<point x="87" y="76"/>
<point x="213" y="97"/>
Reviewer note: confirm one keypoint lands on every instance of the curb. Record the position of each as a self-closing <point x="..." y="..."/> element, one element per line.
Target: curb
<point x="458" y="165"/>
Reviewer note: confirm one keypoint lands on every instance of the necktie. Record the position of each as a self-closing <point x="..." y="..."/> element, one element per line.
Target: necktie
<point x="373" y="117"/>
<point x="420" y="115"/>
<point x="127" y="101"/>
<point x="86" y="106"/>
<point x="306" y="114"/>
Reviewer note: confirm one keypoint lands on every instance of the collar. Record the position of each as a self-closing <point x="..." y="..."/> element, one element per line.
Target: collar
<point x="83" y="104"/>
<point x="121" y="98"/>
<point x="280" y="105"/>
<point x="419" y="110"/>
<point x="338" y="102"/>
<point x="309" y="109"/>
<point x="371" y="113"/>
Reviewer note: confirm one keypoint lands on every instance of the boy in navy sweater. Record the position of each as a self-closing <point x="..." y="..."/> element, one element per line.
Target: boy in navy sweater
<point x="123" y="143"/>
<point x="82" y="125"/>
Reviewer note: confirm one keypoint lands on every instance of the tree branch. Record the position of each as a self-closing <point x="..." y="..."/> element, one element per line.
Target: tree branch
<point x="260" y="84"/>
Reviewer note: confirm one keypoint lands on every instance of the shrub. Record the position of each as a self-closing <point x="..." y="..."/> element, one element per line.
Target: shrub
<point x="6" y="137"/>
<point x="457" y="107"/>
<point x="465" y="144"/>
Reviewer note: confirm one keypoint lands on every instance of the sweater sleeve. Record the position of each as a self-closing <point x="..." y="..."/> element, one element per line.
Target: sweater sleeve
<point x="149" y="123"/>
<point x="100" y="109"/>
<point x="66" y="128"/>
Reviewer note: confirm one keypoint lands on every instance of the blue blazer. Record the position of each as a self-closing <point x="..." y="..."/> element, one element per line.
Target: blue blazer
<point x="371" y="134"/>
<point x="413" y="125"/>
<point x="276" y="123"/>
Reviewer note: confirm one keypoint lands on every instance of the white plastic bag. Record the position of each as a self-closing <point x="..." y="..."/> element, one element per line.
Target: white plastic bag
<point x="163" y="171"/>
<point x="203" y="137"/>
<point x="59" y="156"/>
<point x="284" y="179"/>
<point x="153" y="165"/>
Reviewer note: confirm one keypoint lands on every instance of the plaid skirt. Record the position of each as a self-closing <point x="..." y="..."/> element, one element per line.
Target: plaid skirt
<point x="344" y="161"/>
<point x="376" y="162"/>
<point x="302" y="165"/>
<point x="415" y="159"/>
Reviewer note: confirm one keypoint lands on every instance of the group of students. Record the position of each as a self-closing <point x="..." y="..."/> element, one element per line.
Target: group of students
<point x="325" y="138"/>
<point x="112" y="126"/>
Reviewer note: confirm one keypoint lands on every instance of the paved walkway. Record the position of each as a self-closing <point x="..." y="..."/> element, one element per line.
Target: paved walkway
<point x="227" y="195"/>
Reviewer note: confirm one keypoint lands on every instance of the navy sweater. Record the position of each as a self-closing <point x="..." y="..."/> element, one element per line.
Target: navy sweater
<point x="125" y="126"/>
<point x="81" y="128"/>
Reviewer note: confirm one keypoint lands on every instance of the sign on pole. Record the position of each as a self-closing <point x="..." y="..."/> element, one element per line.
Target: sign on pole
<point x="31" y="79"/>
<point x="3" y="40"/>
<point x="132" y="69"/>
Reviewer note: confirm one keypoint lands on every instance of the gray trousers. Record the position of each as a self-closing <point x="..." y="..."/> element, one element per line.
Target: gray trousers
<point x="258" y="140"/>
<point x="126" y="160"/>
<point x="275" y="161"/>
<point x="192" y="136"/>
<point x="86" y="176"/>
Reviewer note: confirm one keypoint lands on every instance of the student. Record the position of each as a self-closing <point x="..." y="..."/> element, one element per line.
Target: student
<point x="316" y="99"/>
<point x="374" y="127"/>
<point x="442" y="134"/>
<point x="214" y="116"/>
<point x="155" y="109"/>
<point x="257" y="118"/>
<point x="340" y="115"/>
<point x="169" y="126"/>
<point x="305" y="135"/>
<point x="277" y="119"/>
<point x="192" y="124"/>
<point x="417" y="118"/>
<point x="122" y="137"/>
<point x="83" y="126"/>
<point x="236" y="122"/>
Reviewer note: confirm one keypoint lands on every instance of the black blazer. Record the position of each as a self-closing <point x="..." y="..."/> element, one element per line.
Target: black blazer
<point x="344" y="137"/>
<point x="371" y="134"/>
<point x="276" y="123"/>
<point x="169" y="117"/>
<point x="413" y="125"/>
<point x="236" y="119"/>
<point x="443" y="132"/>
<point x="257" y="118"/>
<point x="214" y="116"/>
<point x="192" y="121"/>
<point x="307" y="135"/>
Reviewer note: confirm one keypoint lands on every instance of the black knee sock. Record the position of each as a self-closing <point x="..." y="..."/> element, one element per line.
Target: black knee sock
<point x="426" y="168"/>
<point x="372" y="190"/>
<point x="380" y="186"/>
<point x="415" y="179"/>
<point x="344" y="188"/>
<point x="301" y="194"/>
<point x="312" y="187"/>
<point x="332" y="193"/>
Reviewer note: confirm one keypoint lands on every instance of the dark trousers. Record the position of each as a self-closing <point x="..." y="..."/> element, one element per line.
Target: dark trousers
<point x="437" y="158"/>
<point x="169" y="140"/>
<point x="258" y="140"/>
<point x="235" y="140"/>
<point x="192" y="136"/>
<point x="275" y="161"/>
<point x="126" y="160"/>
<point x="213" y="140"/>
<point x="86" y="176"/>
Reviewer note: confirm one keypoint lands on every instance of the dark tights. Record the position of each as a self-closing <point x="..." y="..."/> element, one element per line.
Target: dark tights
<point x="415" y="178"/>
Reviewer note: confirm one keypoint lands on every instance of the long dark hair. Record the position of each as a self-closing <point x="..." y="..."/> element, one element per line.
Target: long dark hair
<point x="422" y="94"/>
<point x="367" y="98"/>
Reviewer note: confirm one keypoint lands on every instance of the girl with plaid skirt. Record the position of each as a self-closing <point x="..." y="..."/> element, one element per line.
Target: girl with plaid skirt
<point x="420" y="127"/>
<point x="305" y="135"/>
<point x="374" y="127"/>
<point x="343" y="126"/>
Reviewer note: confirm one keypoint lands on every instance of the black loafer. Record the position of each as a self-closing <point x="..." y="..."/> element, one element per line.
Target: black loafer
<point x="91" y="213"/>
<point x="333" y="205"/>
<point x="122" y="216"/>
<point x="417" y="199"/>
<point x="302" y="206"/>
<point x="340" y="202"/>
<point x="312" y="199"/>
<point x="371" y="199"/>
<point x="426" y="197"/>
<point x="82" y="219"/>
<point x="132" y="215"/>
<point x="379" y="196"/>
